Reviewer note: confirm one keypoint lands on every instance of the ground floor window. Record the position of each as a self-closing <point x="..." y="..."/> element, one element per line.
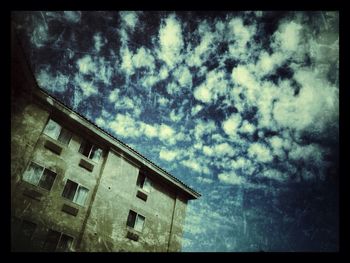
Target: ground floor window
<point x="135" y="221"/>
<point x="56" y="241"/>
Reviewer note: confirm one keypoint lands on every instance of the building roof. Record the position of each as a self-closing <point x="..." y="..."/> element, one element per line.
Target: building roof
<point x="41" y="93"/>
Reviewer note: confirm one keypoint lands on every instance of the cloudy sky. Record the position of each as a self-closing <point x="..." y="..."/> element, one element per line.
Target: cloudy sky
<point x="241" y="106"/>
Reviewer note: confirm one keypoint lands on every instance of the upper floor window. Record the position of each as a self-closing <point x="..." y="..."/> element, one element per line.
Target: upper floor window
<point x="90" y="151"/>
<point x="56" y="241"/>
<point x="75" y="192"/>
<point x="144" y="183"/>
<point x="38" y="175"/>
<point x="135" y="221"/>
<point x="57" y="132"/>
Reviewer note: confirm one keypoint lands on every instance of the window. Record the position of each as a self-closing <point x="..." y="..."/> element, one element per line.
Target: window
<point x="135" y="221"/>
<point x="57" y="132"/>
<point x="56" y="241"/>
<point x="90" y="151"/>
<point x="38" y="175"/>
<point x="75" y="192"/>
<point x="144" y="183"/>
<point x="22" y="234"/>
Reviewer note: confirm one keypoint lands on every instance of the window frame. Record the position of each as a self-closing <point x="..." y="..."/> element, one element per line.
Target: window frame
<point x="61" y="131"/>
<point x="74" y="199"/>
<point x="91" y="147"/>
<point x="44" y="168"/>
<point x="136" y="218"/>
<point x="58" y="242"/>
<point x="141" y="182"/>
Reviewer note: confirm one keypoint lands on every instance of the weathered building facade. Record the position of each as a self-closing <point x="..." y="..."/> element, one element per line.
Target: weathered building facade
<point x="74" y="187"/>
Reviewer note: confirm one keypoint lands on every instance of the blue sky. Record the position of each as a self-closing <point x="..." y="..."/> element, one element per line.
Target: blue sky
<point x="241" y="106"/>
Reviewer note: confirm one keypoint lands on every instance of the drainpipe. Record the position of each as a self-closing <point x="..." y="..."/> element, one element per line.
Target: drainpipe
<point x="172" y="222"/>
<point x="93" y="196"/>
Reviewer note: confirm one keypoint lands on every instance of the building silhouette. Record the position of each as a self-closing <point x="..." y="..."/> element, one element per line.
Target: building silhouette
<point x="74" y="187"/>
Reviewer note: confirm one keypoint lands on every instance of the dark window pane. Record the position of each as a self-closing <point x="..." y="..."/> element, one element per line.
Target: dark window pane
<point x="131" y="219"/>
<point x="27" y="229"/>
<point x="47" y="179"/>
<point x="69" y="190"/>
<point x="140" y="180"/>
<point x="65" y="243"/>
<point x="85" y="148"/>
<point x="51" y="241"/>
<point x="65" y="136"/>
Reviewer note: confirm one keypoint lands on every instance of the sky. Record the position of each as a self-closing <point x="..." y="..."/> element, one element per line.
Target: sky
<point x="241" y="106"/>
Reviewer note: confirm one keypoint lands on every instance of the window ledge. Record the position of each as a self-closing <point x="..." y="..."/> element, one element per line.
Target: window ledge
<point x="142" y="195"/>
<point x="57" y="149"/>
<point x="70" y="210"/>
<point x="87" y="165"/>
<point x="132" y="235"/>
<point x="33" y="194"/>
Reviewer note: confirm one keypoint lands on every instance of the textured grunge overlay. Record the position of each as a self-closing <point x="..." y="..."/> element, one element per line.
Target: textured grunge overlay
<point x="243" y="106"/>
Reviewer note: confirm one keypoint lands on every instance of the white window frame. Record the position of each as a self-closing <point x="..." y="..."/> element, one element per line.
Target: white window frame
<point x="61" y="129"/>
<point x="41" y="175"/>
<point x="92" y="147"/>
<point x="75" y="193"/>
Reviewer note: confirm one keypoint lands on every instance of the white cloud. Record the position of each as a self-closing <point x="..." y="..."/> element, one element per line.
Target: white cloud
<point x="287" y="36"/>
<point x="215" y="85"/>
<point x="72" y="16"/>
<point x="247" y="127"/>
<point x="86" y="65"/>
<point x="204" y="180"/>
<point x="195" y="166"/>
<point x="201" y="52"/>
<point x="231" y="178"/>
<point x="203" y="127"/>
<point x="196" y="109"/>
<point x="127" y="64"/>
<point x="163" y="101"/>
<point x="259" y="152"/>
<point x="167" y="133"/>
<point x="129" y="18"/>
<point x="149" y="130"/>
<point x="167" y="155"/>
<point x="183" y="76"/>
<point x="231" y="124"/>
<point x="87" y="87"/>
<point x="98" y="42"/>
<point x="125" y="126"/>
<point x="171" y="42"/>
<point x="240" y="35"/>
<point x="172" y="88"/>
<point x="163" y="74"/>
<point x="56" y="83"/>
<point x="219" y="150"/>
<point x="114" y="95"/>
<point x="143" y="58"/>
<point x="176" y="117"/>
<point x="314" y="108"/>
<point x="275" y="174"/>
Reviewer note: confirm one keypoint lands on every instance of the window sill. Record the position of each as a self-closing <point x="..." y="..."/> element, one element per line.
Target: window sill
<point x="142" y="195"/>
<point x="86" y="165"/>
<point x="132" y="235"/>
<point x="70" y="210"/>
<point x="52" y="146"/>
<point x="33" y="194"/>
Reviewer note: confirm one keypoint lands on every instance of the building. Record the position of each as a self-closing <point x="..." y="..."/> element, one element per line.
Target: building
<point x="74" y="187"/>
